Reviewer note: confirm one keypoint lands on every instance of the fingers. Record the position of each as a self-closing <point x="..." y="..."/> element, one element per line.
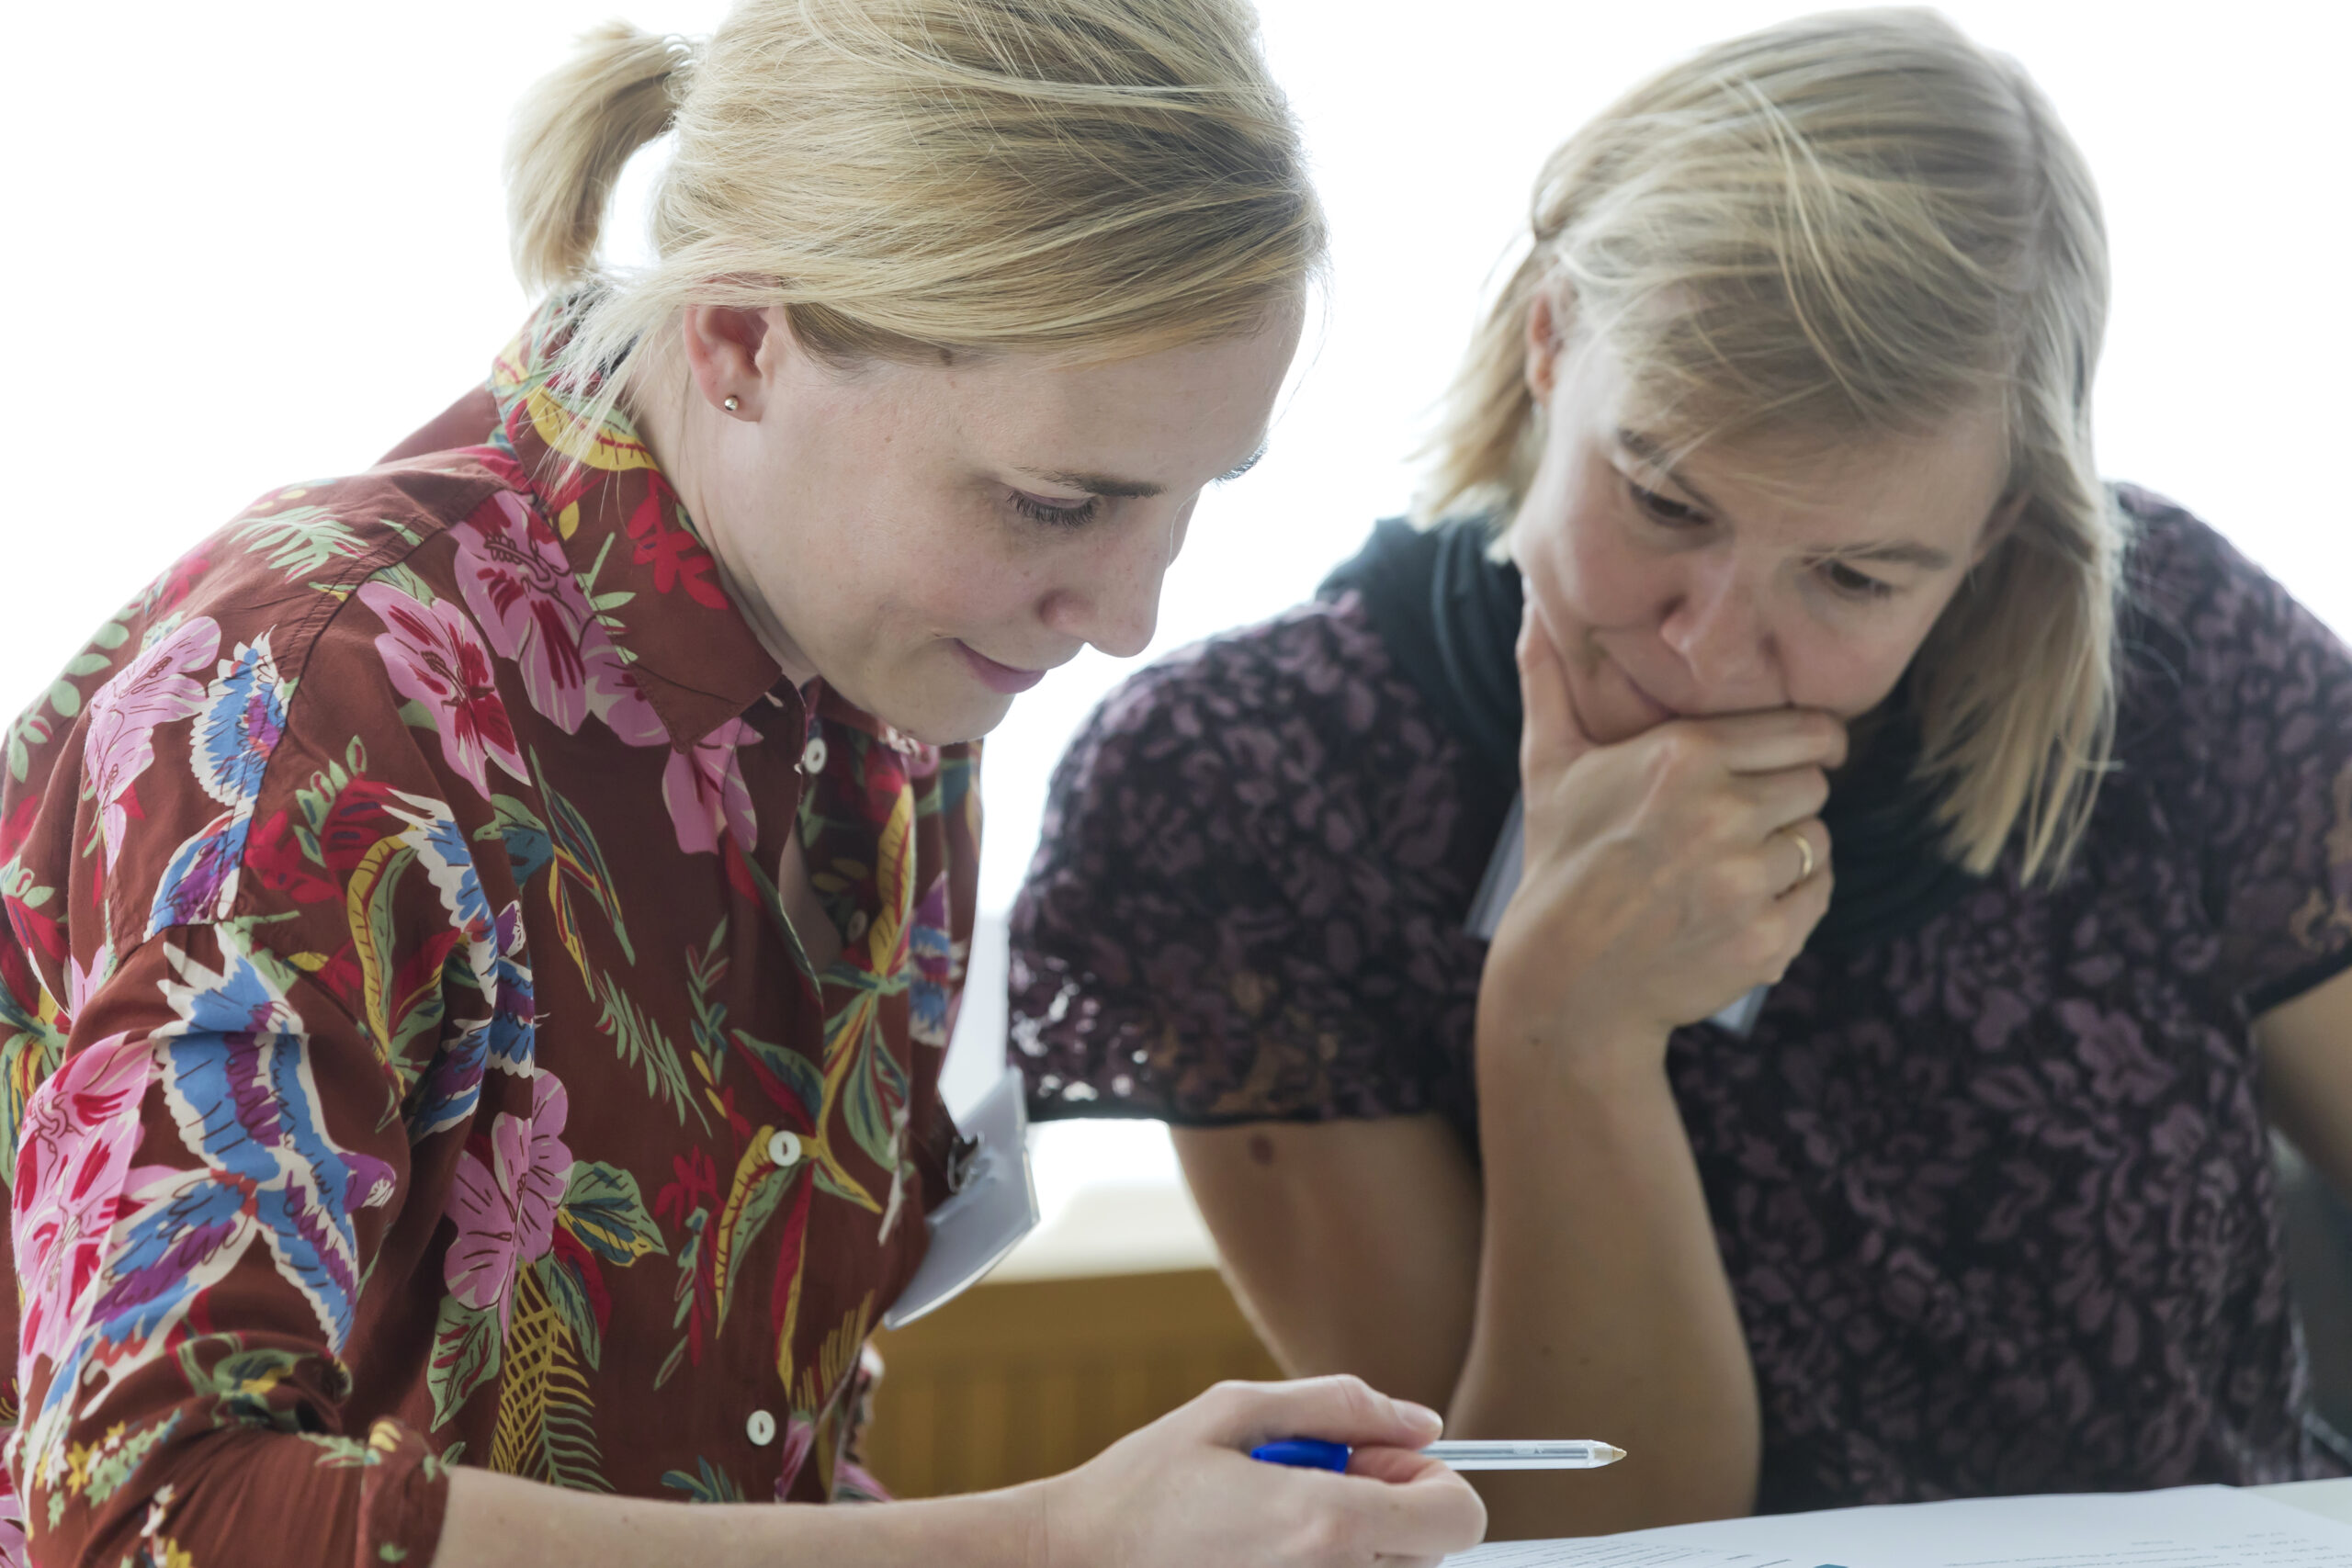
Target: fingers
<point x="1804" y="848"/>
<point x="1422" y="1510"/>
<point x="1780" y="738"/>
<point x="1780" y="799"/>
<point x="1551" y="734"/>
<point x="1340" y="1409"/>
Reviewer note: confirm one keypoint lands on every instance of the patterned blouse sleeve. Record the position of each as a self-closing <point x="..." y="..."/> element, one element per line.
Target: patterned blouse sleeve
<point x="1210" y="932"/>
<point x="2269" y="693"/>
<point x="248" y="1009"/>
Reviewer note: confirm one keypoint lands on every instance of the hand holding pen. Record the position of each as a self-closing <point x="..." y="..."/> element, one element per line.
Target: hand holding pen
<point x="1182" y="1492"/>
<point x="1562" y="1453"/>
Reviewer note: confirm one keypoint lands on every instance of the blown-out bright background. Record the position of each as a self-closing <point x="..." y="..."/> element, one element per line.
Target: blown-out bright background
<point x="251" y="243"/>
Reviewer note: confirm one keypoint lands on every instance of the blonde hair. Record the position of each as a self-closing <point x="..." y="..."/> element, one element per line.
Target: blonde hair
<point x="1846" y="225"/>
<point x="916" y="178"/>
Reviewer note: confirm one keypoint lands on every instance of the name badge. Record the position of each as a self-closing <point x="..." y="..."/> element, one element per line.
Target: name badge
<point x="994" y="1205"/>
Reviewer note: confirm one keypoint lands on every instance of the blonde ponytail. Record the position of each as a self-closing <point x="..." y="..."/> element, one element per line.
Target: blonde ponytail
<point x="925" y="177"/>
<point x="572" y="137"/>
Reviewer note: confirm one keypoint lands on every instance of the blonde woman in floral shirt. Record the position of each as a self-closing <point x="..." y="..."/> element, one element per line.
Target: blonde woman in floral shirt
<point x="482" y="934"/>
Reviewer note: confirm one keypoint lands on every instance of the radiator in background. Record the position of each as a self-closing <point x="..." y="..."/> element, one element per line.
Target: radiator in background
<point x="1028" y="1377"/>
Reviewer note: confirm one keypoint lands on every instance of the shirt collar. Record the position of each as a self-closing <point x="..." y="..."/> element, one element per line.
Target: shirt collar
<point x="627" y="535"/>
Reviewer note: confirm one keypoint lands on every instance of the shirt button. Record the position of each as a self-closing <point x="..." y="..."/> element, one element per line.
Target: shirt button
<point x="812" y="756"/>
<point x="858" y="926"/>
<point x="784" y="1148"/>
<point x="759" y="1428"/>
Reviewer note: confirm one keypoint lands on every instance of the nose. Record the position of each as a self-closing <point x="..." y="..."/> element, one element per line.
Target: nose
<point x="1715" y="623"/>
<point x="1110" y="598"/>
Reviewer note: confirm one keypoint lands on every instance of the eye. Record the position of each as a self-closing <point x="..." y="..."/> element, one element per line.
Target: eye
<point x="1052" y="513"/>
<point x="1672" y="513"/>
<point x="1854" y="585"/>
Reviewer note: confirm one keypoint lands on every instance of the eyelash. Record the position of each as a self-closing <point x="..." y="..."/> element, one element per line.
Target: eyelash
<point x="1053" y="517"/>
<point x="1672" y="513"/>
<point x="1843" y="579"/>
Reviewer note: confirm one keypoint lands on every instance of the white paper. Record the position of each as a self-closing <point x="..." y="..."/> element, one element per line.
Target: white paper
<point x="971" y="1232"/>
<point x="2194" y="1527"/>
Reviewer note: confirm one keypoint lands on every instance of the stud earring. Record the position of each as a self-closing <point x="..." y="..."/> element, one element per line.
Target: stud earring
<point x="732" y="403"/>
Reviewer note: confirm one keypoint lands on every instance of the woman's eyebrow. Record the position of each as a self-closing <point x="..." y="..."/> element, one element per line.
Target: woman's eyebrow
<point x="1095" y="484"/>
<point x="1653" y="452"/>
<point x="1890" y="552"/>
<point x="1104" y="484"/>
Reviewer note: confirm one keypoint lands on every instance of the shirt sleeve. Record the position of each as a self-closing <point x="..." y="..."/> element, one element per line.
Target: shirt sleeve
<point x="2269" y="688"/>
<point x="259" y="1045"/>
<point x="1231" y="914"/>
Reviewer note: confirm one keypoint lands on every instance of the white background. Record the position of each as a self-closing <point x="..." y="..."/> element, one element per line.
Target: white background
<point x="250" y="243"/>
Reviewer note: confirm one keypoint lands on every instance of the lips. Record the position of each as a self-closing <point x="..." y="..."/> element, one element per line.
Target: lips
<point x="1006" y="680"/>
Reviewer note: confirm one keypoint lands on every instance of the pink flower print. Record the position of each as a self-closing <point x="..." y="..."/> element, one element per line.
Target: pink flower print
<point x="517" y="582"/>
<point x="616" y="699"/>
<point x="705" y="791"/>
<point x="73" y="1179"/>
<point x="799" y="1437"/>
<point x="154" y="688"/>
<point x="436" y="657"/>
<point x="13" y="1552"/>
<point x="505" y="1210"/>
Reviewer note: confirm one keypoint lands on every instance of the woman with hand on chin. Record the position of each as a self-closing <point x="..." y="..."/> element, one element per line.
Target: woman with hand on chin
<point x="1774" y="934"/>
<point x="482" y="934"/>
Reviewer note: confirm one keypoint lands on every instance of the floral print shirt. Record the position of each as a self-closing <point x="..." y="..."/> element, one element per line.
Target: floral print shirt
<point x="406" y="1060"/>
<point x="1994" y="1193"/>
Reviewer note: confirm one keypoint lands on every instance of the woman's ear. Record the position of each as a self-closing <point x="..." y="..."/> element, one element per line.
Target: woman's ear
<point x="1547" y="343"/>
<point x="724" y="346"/>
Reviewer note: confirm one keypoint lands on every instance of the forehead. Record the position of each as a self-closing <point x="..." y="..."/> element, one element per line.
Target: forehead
<point x="1934" y="484"/>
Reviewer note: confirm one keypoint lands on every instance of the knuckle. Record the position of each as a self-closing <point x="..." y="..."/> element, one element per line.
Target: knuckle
<point x="1324" y="1535"/>
<point x="1729" y="882"/>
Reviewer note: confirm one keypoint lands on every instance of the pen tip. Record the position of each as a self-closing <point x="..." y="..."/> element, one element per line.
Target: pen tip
<point x="1615" y="1453"/>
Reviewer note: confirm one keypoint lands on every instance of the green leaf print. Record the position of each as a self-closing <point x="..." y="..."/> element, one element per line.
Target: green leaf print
<point x="792" y="1070"/>
<point x="603" y="1207"/>
<point x="743" y="1227"/>
<point x="874" y="1100"/>
<point x="567" y="1293"/>
<point x="241" y="1380"/>
<point x="301" y="540"/>
<point x="518" y="828"/>
<point x="640" y="1041"/>
<point x="546" y="1425"/>
<point x="580" y="862"/>
<point x="708" y="1485"/>
<point x="465" y="1356"/>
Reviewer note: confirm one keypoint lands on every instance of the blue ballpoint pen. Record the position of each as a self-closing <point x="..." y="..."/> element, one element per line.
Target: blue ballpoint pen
<point x="1314" y="1453"/>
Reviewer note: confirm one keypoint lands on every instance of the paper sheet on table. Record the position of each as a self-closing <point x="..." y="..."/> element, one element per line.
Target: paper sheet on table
<point x="2193" y="1527"/>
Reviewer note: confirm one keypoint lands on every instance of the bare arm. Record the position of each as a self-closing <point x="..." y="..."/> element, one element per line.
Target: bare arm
<point x="1353" y="1245"/>
<point x="1599" y="1309"/>
<point x="1182" y="1492"/>
<point x="2307" y="1058"/>
<point x="1577" y="1290"/>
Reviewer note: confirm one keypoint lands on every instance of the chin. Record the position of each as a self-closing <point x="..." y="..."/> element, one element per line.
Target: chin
<point x="949" y="722"/>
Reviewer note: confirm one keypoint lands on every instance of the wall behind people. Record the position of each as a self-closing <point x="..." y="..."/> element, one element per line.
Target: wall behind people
<point x="203" y="302"/>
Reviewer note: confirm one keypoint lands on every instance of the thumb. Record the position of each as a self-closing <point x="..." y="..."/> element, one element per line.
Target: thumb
<point x="1551" y="735"/>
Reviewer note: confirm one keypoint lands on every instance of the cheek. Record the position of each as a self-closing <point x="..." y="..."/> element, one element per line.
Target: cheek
<point x="1848" y="672"/>
<point x="1584" y="574"/>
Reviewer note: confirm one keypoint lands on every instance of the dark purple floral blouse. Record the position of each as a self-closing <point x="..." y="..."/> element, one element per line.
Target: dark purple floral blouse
<point x="1995" y="1195"/>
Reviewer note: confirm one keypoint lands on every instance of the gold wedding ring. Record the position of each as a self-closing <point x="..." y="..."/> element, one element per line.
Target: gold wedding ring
<point x="1804" y="855"/>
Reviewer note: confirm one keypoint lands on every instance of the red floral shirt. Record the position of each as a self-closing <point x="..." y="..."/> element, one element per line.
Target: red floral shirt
<point x="407" y="1061"/>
